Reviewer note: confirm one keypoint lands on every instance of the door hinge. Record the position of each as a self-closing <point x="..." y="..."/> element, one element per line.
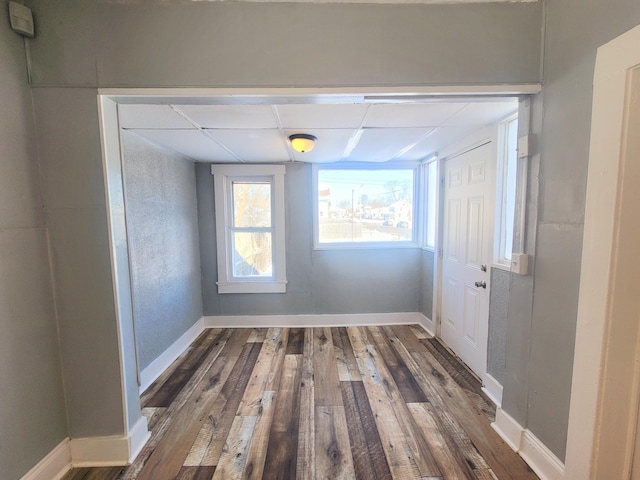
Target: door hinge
<point x="441" y="182"/>
<point x="440" y="252"/>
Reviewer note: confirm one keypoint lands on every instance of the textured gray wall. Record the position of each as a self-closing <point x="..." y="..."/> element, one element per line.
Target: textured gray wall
<point x="164" y="250"/>
<point x="426" y="278"/>
<point x="160" y="43"/>
<point x="540" y="349"/>
<point x="319" y="281"/>
<point x="498" y="310"/>
<point x="74" y="199"/>
<point x="84" y="45"/>
<point x="32" y="411"/>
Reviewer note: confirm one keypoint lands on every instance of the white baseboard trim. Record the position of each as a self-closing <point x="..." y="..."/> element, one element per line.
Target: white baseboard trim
<point x="138" y="438"/>
<point x="429" y="325"/>
<point x="510" y="430"/>
<point x="160" y="364"/>
<point x="54" y="466"/>
<point x="91" y="452"/>
<point x="109" y="451"/>
<point x="541" y="460"/>
<point x="492" y="388"/>
<point x="307" y="320"/>
<point x="99" y="451"/>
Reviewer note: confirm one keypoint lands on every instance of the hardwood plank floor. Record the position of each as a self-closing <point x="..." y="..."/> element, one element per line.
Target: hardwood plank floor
<point x="318" y="403"/>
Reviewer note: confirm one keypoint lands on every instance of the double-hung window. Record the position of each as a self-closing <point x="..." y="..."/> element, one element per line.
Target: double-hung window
<point x="249" y="207"/>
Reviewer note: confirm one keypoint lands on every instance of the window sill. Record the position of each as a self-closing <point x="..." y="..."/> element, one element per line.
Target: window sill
<point x="502" y="266"/>
<point x="252" y="287"/>
<point x="365" y="246"/>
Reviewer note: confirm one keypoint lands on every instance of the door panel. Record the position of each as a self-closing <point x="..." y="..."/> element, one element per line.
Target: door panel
<point x="453" y="232"/>
<point x="477" y="172"/>
<point x="451" y="295"/>
<point x="455" y="177"/>
<point x="471" y="314"/>
<point x="467" y="250"/>
<point x="475" y="218"/>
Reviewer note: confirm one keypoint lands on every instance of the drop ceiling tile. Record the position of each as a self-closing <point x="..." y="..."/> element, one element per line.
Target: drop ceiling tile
<point x="411" y="114"/>
<point x="420" y="151"/>
<point x="150" y="116"/>
<point x="254" y="145"/>
<point x="383" y="144"/>
<point x="192" y="143"/>
<point x="321" y="116"/>
<point x="251" y="131"/>
<point x="329" y="148"/>
<point x="231" y="116"/>
<point x="482" y="113"/>
<point x="446" y="138"/>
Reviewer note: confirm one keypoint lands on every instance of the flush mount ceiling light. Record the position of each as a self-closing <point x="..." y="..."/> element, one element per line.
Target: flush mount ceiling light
<point x="301" y="142"/>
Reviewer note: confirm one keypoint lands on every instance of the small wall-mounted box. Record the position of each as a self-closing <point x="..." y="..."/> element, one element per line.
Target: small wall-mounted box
<point x="523" y="146"/>
<point x="520" y="263"/>
<point x="21" y="19"/>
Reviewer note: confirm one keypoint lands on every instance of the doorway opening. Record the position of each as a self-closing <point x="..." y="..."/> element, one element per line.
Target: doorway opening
<point x="189" y="105"/>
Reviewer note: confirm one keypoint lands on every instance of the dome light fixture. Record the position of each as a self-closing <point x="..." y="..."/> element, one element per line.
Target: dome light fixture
<point x="301" y="142"/>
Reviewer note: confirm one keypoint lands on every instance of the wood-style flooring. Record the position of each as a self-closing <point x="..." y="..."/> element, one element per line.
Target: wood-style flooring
<point x="318" y="403"/>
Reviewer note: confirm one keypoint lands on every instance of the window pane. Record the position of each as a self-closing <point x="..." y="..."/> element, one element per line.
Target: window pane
<point x="432" y="182"/>
<point x="510" y="188"/>
<point x="251" y="204"/>
<point x="365" y="205"/>
<point x="252" y="254"/>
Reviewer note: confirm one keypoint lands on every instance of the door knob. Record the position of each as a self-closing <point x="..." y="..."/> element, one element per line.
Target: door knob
<point x="482" y="284"/>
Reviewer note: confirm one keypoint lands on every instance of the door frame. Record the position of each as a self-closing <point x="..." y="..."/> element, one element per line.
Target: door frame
<point x="486" y="135"/>
<point x="605" y="384"/>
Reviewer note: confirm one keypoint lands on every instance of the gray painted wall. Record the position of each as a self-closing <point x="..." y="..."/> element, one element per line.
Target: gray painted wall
<point x="32" y="411"/>
<point x="426" y="285"/>
<point x="164" y="250"/>
<point x="159" y="43"/>
<point x="540" y="348"/>
<point x="73" y="190"/>
<point x="83" y="45"/>
<point x="498" y="311"/>
<point x="319" y="281"/>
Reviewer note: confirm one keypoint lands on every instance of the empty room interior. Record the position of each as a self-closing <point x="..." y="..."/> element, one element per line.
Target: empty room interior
<point x="300" y="239"/>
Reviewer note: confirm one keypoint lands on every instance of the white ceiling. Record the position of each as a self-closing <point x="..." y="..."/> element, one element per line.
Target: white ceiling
<point x="360" y="132"/>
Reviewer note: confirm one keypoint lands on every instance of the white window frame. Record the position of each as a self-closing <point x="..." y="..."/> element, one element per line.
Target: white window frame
<point x="417" y="209"/>
<point x="430" y="195"/>
<point x="500" y="259"/>
<point x="223" y="176"/>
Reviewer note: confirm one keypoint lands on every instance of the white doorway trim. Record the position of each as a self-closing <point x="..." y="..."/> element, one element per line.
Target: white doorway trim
<point x="154" y="95"/>
<point x="604" y="398"/>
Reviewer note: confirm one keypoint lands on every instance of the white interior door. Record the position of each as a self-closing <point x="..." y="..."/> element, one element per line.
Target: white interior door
<point x="469" y="185"/>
